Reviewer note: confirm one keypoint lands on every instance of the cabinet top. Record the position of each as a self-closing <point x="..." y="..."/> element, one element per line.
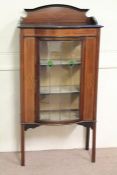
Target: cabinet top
<point x="57" y="16"/>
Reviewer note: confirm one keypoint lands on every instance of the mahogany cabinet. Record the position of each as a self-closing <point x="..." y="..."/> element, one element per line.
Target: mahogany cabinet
<point x="59" y="69"/>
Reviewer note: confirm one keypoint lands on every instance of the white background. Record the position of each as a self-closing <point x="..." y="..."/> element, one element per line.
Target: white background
<point x="57" y="137"/>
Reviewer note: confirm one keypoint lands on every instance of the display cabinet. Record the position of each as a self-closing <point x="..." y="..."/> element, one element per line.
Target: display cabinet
<point x="59" y="69"/>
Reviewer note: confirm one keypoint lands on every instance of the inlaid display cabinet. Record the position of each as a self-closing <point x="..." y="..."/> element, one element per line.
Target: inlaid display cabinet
<point x="59" y="69"/>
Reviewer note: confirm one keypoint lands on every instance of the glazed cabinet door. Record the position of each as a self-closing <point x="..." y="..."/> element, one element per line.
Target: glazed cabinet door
<point x="60" y="79"/>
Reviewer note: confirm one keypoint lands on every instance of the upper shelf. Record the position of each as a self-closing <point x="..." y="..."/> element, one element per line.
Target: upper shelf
<point x="50" y="63"/>
<point x="57" y="16"/>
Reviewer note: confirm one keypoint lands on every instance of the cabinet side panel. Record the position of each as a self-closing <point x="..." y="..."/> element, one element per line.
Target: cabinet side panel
<point x="90" y="78"/>
<point x="21" y="75"/>
<point x="28" y="79"/>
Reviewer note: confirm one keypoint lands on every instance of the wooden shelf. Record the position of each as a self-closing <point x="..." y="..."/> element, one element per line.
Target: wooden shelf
<point x="45" y="90"/>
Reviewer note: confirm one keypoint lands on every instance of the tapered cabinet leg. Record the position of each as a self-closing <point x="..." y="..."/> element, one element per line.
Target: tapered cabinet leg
<point x="87" y="138"/>
<point x="94" y="143"/>
<point x="22" y="145"/>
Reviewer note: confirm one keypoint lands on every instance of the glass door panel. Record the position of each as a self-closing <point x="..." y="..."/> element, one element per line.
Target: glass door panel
<point x="60" y="67"/>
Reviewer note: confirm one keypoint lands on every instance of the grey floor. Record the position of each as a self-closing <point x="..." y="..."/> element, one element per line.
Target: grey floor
<point x="60" y="162"/>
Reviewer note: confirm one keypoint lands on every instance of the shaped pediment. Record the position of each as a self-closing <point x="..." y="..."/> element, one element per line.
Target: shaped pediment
<point x="57" y="15"/>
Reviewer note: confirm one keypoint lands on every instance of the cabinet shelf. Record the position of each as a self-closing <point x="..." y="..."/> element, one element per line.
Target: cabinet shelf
<point x="45" y="90"/>
<point x="59" y="115"/>
<point x="49" y="62"/>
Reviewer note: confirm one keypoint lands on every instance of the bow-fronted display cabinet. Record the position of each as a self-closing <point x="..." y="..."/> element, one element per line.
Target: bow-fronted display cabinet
<point x="59" y="69"/>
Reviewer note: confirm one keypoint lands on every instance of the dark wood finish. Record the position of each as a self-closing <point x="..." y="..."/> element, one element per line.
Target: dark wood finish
<point x="60" y="32"/>
<point x="89" y="77"/>
<point x="57" y="16"/>
<point x="37" y="82"/>
<point x="94" y="143"/>
<point x="28" y="79"/>
<point x="40" y="123"/>
<point x="22" y="144"/>
<point x="81" y="106"/>
<point x="54" y="6"/>
<point x="58" y="22"/>
<point x="96" y="74"/>
<point x="22" y="107"/>
<point x="87" y="137"/>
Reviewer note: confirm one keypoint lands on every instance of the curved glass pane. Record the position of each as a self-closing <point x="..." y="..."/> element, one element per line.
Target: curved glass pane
<point x="60" y="67"/>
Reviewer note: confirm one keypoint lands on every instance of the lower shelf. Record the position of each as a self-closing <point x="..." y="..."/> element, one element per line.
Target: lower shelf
<point x="59" y="115"/>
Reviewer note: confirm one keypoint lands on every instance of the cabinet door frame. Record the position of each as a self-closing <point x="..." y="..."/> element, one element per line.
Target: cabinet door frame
<point x="81" y="72"/>
<point x="90" y="38"/>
